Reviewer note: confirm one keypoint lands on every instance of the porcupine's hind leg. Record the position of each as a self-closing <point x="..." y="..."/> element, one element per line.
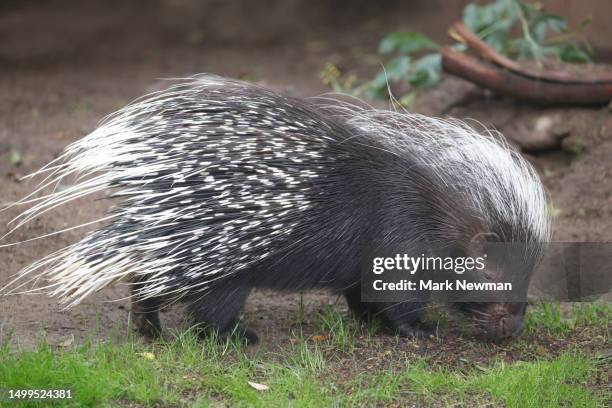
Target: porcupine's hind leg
<point x="218" y="310"/>
<point x="360" y="309"/>
<point x="145" y="314"/>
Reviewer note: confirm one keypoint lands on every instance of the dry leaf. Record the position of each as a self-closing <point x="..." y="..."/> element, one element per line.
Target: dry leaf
<point x="147" y="355"/>
<point x="258" y="387"/>
<point x="66" y="342"/>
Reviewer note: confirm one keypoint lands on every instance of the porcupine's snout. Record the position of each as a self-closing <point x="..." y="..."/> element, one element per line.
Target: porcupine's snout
<point x="504" y="320"/>
<point x="497" y="321"/>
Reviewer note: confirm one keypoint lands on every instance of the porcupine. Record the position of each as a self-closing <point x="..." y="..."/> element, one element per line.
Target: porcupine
<point x="225" y="186"/>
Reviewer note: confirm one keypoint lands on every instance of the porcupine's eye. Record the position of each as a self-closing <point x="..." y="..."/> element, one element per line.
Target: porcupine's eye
<point x="478" y="243"/>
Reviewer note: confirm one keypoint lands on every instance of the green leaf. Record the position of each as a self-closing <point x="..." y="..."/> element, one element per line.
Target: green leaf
<point x="500" y="14"/>
<point x="398" y="68"/>
<point x="572" y="53"/>
<point x="491" y="22"/>
<point x="407" y="100"/>
<point x="16" y="158"/>
<point x="520" y="48"/>
<point x="377" y="87"/>
<point x="555" y="22"/>
<point x="426" y="70"/>
<point x="544" y="22"/>
<point x="406" y="43"/>
<point x="569" y="52"/>
<point x="498" y="40"/>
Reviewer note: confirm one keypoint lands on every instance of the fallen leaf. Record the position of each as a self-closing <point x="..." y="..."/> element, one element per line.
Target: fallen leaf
<point x="147" y="355"/>
<point x="65" y="342"/>
<point x="258" y="387"/>
<point x="319" y="338"/>
<point x="16" y="158"/>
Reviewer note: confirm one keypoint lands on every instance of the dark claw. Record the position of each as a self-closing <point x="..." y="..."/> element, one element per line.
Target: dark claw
<point x="412" y="332"/>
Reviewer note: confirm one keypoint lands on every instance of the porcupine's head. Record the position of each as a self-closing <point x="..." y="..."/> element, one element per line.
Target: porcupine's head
<point x="483" y="199"/>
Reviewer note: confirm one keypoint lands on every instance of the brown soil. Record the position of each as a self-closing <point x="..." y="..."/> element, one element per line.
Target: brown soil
<point x="62" y="69"/>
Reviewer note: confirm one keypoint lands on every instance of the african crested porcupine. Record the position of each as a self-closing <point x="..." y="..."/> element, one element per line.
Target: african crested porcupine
<point x="225" y="186"/>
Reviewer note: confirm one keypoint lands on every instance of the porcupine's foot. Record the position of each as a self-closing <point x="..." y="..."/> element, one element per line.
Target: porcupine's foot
<point x="240" y="332"/>
<point x="408" y="331"/>
<point x="145" y="315"/>
<point x="404" y="318"/>
<point x="237" y="332"/>
<point x="217" y="311"/>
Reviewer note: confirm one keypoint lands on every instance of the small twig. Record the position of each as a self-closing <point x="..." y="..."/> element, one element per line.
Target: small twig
<point x="524" y="87"/>
<point x="461" y="33"/>
<point x="464" y="35"/>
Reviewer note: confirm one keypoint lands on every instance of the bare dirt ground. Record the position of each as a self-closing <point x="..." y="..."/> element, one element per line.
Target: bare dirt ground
<point x="62" y="69"/>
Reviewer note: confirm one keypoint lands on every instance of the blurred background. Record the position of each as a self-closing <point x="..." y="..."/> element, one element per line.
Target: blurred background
<point x="49" y="31"/>
<point x="190" y="35"/>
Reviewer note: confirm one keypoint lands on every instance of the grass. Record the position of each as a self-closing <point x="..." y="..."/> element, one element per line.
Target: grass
<point x="165" y="373"/>
<point x="337" y="330"/>
<point x="557" y="382"/>
<point x="551" y="318"/>
<point x="190" y="372"/>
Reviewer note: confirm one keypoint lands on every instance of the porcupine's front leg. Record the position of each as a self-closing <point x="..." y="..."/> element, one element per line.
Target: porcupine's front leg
<point x="403" y="317"/>
<point x="218" y="308"/>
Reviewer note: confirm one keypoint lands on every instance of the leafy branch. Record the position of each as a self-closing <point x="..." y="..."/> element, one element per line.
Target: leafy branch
<point x="417" y="59"/>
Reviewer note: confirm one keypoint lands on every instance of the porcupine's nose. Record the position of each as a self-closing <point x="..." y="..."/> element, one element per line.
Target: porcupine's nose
<point x="508" y="326"/>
